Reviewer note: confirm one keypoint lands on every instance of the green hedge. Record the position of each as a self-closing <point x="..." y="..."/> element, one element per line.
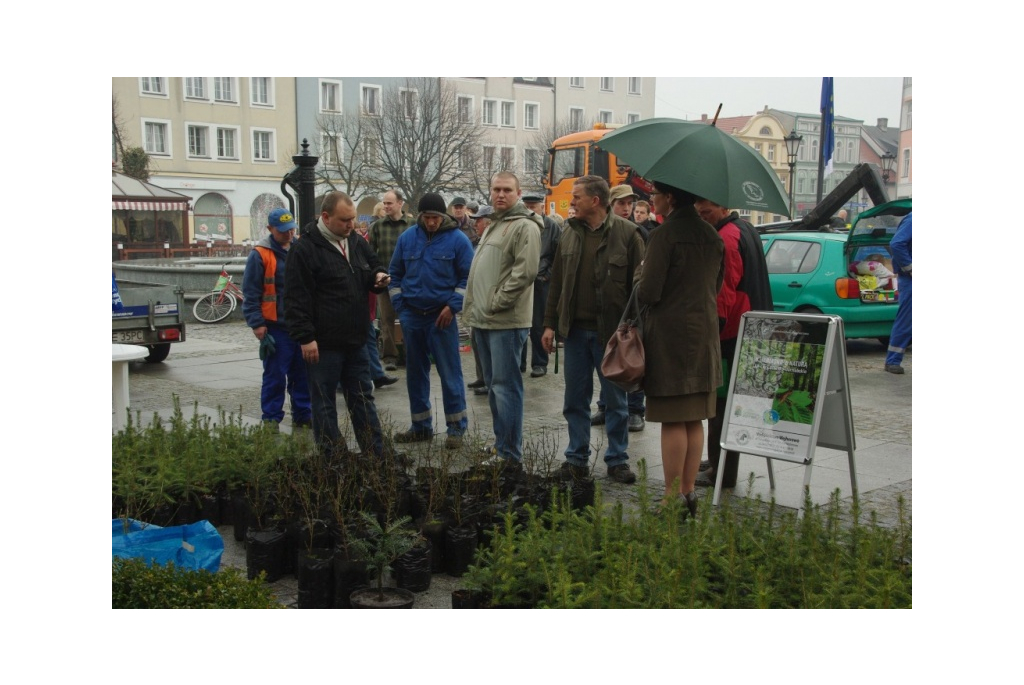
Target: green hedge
<point x="137" y="585"/>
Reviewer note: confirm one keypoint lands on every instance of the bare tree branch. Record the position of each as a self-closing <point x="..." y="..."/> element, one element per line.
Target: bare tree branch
<point x="422" y="143"/>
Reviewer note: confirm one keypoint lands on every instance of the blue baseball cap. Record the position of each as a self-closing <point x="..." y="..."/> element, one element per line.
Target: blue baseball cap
<point x="282" y="220"/>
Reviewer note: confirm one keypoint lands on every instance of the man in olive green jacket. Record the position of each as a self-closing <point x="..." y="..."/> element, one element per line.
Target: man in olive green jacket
<point x="499" y="308"/>
<point x="597" y="260"/>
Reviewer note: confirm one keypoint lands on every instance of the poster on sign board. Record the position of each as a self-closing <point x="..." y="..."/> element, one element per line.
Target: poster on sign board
<point x="779" y="368"/>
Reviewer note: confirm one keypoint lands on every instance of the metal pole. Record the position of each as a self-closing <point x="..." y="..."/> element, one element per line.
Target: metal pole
<point x="792" y="169"/>
<point x="307" y="183"/>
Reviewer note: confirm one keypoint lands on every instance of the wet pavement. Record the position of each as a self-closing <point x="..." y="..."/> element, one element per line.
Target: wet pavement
<point x="218" y="369"/>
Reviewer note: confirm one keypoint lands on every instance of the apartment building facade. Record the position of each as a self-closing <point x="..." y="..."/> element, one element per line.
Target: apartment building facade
<point x="904" y="169"/>
<point x="518" y="116"/>
<point x="225" y="142"/>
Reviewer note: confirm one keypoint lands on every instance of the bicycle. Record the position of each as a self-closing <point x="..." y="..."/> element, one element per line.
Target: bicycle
<point x="218" y="305"/>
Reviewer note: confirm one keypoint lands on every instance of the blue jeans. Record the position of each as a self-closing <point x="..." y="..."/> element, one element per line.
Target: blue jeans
<point x="635" y="400"/>
<point x="350" y="368"/>
<point x="538" y="355"/>
<point x="284" y="371"/>
<point x="499" y="352"/>
<point x="376" y="370"/>
<point x="583" y="353"/>
<point x="423" y="339"/>
<point x="899" y="339"/>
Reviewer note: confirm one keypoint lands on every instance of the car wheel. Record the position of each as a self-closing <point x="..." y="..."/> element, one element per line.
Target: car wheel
<point x="158" y="353"/>
<point x="808" y="310"/>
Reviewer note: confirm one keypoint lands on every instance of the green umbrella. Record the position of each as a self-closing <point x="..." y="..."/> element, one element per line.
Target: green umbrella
<point x="700" y="159"/>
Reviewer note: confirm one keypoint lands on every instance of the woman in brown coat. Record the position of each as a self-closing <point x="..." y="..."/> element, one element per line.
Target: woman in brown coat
<point x="682" y="273"/>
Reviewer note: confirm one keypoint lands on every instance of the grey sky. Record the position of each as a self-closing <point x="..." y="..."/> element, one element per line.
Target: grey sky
<point x="866" y="98"/>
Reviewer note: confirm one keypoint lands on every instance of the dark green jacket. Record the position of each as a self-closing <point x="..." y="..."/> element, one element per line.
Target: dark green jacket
<point x="618" y="261"/>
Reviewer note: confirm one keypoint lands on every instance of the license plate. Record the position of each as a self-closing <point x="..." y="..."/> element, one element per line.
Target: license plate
<point x="129" y="336"/>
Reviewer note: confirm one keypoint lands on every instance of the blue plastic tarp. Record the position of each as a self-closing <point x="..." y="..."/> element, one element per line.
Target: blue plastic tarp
<point x="195" y="546"/>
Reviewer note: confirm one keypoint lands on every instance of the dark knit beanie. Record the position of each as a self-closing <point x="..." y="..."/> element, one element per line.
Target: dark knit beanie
<point x="432" y="203"/>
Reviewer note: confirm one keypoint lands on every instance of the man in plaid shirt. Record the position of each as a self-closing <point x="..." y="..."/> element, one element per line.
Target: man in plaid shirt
<point x="383" y="237"/>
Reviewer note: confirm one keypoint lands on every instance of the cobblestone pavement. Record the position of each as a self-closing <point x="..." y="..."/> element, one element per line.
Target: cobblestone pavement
<point x="217" y="370"/>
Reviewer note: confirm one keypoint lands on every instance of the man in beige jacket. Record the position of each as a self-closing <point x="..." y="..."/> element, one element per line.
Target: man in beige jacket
<point x="499" y="308"/>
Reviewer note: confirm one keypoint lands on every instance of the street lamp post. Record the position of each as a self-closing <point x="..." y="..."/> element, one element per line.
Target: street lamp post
<point x="888" y="162"/>
<point x="792" y="147"/>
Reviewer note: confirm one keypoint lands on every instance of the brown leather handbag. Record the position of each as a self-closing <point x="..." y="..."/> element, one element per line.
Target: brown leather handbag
<point x="623" y="363"/>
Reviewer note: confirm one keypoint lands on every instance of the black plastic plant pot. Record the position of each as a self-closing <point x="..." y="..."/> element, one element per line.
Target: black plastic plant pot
<point x="239" y="514"/>
<point x="315" y="574"/>
<point x="460" y="546"/>
<point x="265" y="550"/>
<point x="412" y="569"/>
<point x="468" y="599"/>
<point x="349" y="575"/>
<point x="434" y="531"/>
<point x="583" y="491"/>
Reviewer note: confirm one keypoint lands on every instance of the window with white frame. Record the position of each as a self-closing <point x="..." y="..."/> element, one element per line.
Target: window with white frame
<point x="263" y="145"/>
<point x="227" y="142"/>
<point x="576" y="118"/>
<point x="153" y="85"/>
<point x="850" y="152"/>
<point x="371" y="152"/>
<point x="531" y="116"/>
<point x="410" y="102"/>
<point x="262" y="90"/>
<point x="905" y="166"/>
<point x="330" y="96"/>
<point x="329" y="152"/>
<point x="508" y="114"/>
<point x="634" y="85"/>
<point x="508" y="158"/>
<point x="607" y="83"/>
<point x="195" y="88"/>
<point x="632" y="117"/>
<point x="801" y="178"/>
<point x="533" y="161"/>
<point x="605" y="116"/>
<point x="489" y="113"/>
<point x="225" y="89"/>
<point x="157" y="137"/>
<point x="814" y="150"/>
<point x="575" y="81"/>
<point x="765" y="131"/>
<point x="465" y="159"/>
<point x="771" y="153"/>
<point x="488" y="158"/>
<point x="198" y="140"/>
<point x="839" y="156"/>
<point x="371" y="100"/>
<point x="465" y="107"/>
<point x="758" y="147"/>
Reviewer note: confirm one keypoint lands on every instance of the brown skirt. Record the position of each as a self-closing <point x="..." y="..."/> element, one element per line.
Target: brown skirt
<point x="674" y="408"/>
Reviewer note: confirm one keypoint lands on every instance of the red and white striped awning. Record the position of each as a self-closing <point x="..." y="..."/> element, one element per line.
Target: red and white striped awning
<point x="150" y="206"/>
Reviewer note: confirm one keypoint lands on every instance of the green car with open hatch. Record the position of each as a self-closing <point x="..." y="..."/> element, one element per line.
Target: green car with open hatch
<point x="846" y="273"/>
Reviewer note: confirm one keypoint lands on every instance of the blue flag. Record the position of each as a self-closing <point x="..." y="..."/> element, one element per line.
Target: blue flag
<point x="828" y="127"/>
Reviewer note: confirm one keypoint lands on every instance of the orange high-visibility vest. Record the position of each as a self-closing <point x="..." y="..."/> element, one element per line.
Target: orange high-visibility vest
<point x="269" y="302"/>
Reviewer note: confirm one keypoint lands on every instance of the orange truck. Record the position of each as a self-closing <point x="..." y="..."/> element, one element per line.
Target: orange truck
<point x="579" y="154"/>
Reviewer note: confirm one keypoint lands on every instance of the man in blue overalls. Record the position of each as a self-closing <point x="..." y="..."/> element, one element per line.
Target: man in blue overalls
<point x="429" y="268"/>
<point x="899" y="340"/>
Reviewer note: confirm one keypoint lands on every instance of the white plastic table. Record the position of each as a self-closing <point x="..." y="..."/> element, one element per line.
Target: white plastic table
<point x="122" y="354"/>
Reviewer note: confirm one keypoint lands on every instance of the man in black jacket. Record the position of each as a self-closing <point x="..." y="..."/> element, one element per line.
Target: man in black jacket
<point x="329" y="275"/>
<point x="549" y="238"/>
